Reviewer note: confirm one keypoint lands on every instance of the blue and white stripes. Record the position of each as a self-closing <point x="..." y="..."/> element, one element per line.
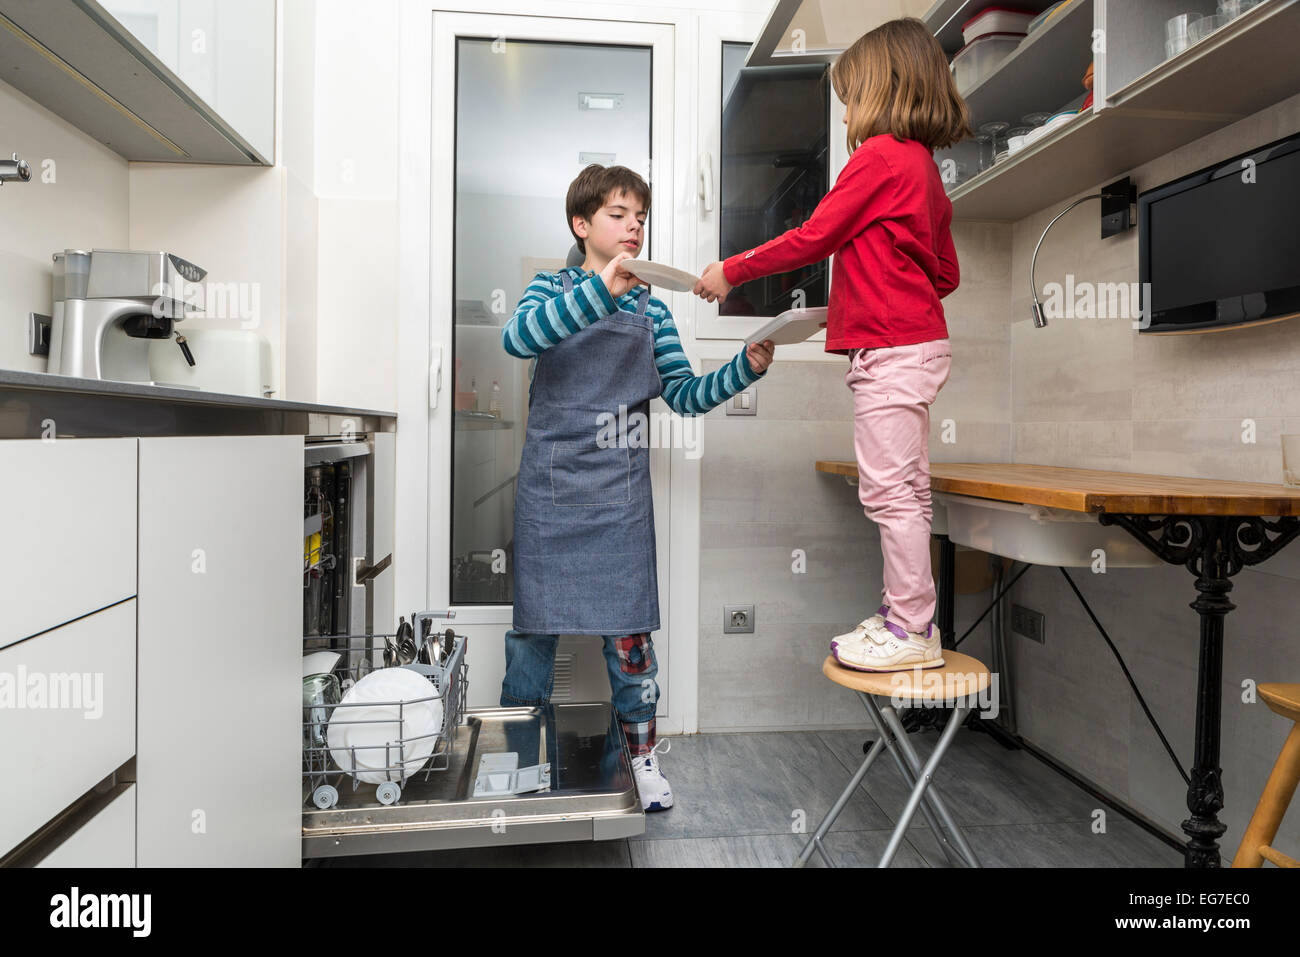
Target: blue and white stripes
<point x="546" y="314"/>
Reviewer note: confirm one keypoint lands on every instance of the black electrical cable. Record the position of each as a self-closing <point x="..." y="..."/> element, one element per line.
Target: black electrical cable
<point x="1132" y="684"/>
<point x="991" y="606"/>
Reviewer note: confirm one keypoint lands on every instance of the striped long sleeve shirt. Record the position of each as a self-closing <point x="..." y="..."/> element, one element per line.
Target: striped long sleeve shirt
<point x="546" y="314"/>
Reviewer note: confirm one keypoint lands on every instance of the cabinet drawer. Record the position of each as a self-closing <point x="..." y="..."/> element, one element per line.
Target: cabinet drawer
<point x="68" y="510"/>
<point x="67" y="716"/>
<point x="106" y="840"/>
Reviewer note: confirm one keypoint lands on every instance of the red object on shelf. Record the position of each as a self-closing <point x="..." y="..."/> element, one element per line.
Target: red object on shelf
<point x="1028" y="13"/>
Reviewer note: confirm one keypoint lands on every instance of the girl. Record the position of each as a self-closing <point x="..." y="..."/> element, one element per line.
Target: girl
<point x="887" y="222"/>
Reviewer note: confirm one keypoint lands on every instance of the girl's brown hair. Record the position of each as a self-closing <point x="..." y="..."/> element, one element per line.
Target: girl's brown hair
<point x="896" y="79"/>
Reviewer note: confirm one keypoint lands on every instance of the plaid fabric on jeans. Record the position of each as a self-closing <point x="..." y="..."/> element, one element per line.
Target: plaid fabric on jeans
<point x="634" y="658"/>
<point x="633" y="653"/>
<point x="640" y="736"/>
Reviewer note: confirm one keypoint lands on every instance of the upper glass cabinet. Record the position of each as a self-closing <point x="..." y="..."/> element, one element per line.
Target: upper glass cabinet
<point x="223" y="50"/>
<point x="772" y="174"/>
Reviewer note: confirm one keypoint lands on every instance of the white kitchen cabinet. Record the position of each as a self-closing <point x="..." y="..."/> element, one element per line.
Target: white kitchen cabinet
<point x="68" y="510"/>
<point x="220" y="719"/>
<point x="67" y="716"/>
<point x="106" y="840"/>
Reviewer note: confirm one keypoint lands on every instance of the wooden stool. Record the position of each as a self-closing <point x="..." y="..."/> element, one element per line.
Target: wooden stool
<point x="1278" y="790"/>
<point x="956" y="682"/>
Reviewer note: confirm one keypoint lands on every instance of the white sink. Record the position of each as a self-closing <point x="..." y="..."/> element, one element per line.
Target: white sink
<point x="1036" y="534"/>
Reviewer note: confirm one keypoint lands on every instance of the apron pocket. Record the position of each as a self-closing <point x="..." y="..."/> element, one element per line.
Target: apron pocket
<point x="587" y="475"/>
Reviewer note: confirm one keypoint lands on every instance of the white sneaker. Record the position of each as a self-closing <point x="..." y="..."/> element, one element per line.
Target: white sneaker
<point x="887" y="647"/>
<point x="655" y="793"/>
<point x="859" y="631"/>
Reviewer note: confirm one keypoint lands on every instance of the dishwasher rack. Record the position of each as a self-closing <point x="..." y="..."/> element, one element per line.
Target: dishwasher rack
<point x="323" y="775"/>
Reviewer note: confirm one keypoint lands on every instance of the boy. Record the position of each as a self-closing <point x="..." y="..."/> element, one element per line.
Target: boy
<point x="584" y="546"/>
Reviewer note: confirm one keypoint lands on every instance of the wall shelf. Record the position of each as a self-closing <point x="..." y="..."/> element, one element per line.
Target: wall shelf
<point x="1205" y="88"/>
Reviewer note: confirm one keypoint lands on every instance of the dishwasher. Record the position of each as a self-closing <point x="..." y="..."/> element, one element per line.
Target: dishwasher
<point x="453" y="777"/>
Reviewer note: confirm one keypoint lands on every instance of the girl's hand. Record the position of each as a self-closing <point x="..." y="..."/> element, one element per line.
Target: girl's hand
<point x="713" y="284"/>
<point x="760" y="355"/>
<point x="617" y="279"/>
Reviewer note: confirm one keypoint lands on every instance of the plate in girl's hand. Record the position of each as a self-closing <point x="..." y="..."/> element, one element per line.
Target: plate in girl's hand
<point x="657" y="274"/>
<point x="793" y="325"/>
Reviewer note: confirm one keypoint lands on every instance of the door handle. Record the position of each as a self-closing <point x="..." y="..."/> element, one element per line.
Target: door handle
<point x="362" y="573"/>
<point x="435" y="375"/>
<point x="705" y="190"/>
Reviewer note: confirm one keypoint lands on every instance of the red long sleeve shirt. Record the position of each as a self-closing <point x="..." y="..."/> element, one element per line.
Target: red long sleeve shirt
<point x="887" y="221"/>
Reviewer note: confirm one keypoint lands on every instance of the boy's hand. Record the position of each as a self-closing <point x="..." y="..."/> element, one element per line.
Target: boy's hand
<point x="617" y="279"/>
<point x="713" y="284"/>
<point x="760" y="355"/>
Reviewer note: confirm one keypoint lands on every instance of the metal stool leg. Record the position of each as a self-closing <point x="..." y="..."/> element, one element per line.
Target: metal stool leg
<point x="890" y="731"/>
<point x="932" y="796"/>
<point x="925" y="776"/>
<point x="815" y="842"/>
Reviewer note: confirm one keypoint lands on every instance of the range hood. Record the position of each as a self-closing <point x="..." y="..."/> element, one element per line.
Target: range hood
<point x="74" y="59"/>
<point x="817" y="31"/>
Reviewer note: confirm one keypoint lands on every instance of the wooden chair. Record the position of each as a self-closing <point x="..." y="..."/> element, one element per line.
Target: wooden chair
<point x="1278" y="790"/>
<point x="955" y="683"/>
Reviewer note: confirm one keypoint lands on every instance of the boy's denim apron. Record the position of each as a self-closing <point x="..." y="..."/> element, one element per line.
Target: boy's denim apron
<point x="584" y="547"/>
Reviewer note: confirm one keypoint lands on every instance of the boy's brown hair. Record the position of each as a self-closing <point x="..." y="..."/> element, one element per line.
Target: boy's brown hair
<point x="896" y="79"/>
<point x="594" y="185"/>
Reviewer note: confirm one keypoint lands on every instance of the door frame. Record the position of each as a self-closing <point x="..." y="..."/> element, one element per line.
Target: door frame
<point x="425" y="232"/>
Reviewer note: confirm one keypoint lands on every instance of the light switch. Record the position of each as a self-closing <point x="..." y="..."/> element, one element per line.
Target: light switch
<point x="743" y="403"/>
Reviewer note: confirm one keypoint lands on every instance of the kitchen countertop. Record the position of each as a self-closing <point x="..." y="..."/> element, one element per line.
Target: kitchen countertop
<point x="1090" y="490"/>
<point x="76" y="407"/>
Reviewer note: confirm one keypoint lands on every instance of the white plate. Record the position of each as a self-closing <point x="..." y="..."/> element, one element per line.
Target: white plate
<point x="657" y="274"/>
<point x="319" y="663"/>
<point x="793" y="325"/>
<point x="367" y="720"/>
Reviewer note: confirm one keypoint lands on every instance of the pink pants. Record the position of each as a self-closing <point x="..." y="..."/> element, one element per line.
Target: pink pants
<point x="893" y="388"/>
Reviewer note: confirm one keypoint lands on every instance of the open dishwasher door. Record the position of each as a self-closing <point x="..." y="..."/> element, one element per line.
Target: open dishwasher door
<point x="592" y="791"/>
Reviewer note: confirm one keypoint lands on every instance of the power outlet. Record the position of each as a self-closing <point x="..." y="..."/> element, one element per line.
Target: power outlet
<point x="737" y="619"/>
<point x="1027" y="623"/>
<point x="38" y="334"/>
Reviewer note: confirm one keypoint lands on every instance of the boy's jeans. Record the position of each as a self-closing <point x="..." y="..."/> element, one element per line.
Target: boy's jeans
<point x="530" y="677"/>
<point x="893" y="388"/>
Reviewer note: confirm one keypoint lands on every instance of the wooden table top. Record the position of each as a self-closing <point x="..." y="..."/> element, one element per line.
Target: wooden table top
<point x="1090" y="490"/>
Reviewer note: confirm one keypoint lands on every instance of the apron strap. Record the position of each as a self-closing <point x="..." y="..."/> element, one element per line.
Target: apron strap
<point x="567" y="281"/>
<point x="643" y="301"/>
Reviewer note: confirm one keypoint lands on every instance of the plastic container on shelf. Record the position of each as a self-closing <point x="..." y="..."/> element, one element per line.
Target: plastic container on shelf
<point x="996" y="20"/>
<point x="977" y="59"/>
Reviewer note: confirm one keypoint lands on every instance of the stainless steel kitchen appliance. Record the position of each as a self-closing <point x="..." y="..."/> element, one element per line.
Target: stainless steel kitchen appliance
<point x="108" y="304"/>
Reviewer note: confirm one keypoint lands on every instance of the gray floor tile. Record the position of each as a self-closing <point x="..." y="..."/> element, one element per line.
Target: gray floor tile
<point x="758" y="850"/>
<point x="728" y="785"/>
<point x="1069" y="844"/>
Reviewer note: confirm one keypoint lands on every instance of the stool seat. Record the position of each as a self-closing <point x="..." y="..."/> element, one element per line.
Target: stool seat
<point x="958" y="677"/>
<point x="1283" y="699"/>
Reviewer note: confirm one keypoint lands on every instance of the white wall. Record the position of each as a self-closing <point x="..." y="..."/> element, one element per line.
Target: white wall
<point x="230" y="221"/>
<point x="77" y="199"/>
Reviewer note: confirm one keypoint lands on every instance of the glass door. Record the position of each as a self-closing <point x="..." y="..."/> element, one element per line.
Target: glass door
<point x="528" y="103"/>
<point x="764" y="166"/>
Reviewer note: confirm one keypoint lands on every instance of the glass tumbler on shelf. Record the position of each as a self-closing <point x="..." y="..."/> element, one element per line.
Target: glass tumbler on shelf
<point x="987" y="150"/>
<point x="997" y="130"/>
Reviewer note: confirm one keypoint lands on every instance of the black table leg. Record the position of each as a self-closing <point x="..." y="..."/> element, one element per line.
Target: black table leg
<point x="1213" y="548"/>
<point x="945" y="611"/>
